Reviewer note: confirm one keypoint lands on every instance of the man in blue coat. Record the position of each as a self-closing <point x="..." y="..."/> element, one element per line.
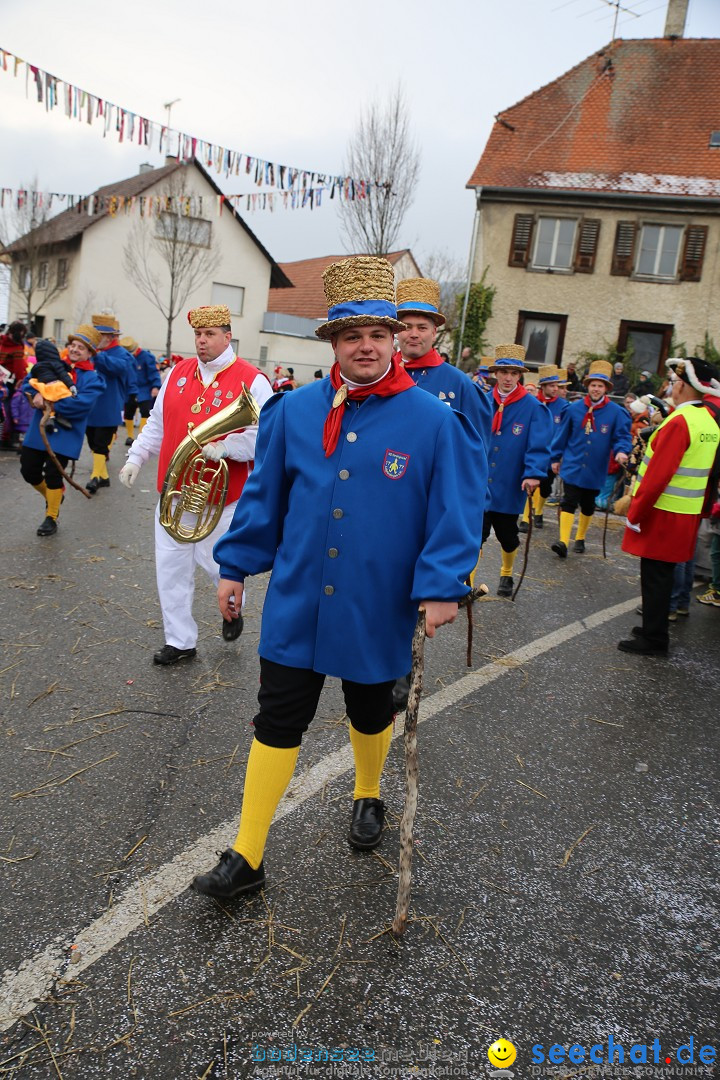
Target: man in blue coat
<point x="518" y="458"/>
<point x="336" y="461"/>
<point x="550" y="396"/>
<point x="36" y="465"/>
<point x="591" y="430"/>
<point x="117" y="367"/>
<point x="148" y="381"/>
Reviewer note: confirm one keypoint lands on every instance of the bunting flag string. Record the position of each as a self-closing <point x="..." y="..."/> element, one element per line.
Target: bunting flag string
<point x="81" y="105"/>
<point x="50" y="202"/>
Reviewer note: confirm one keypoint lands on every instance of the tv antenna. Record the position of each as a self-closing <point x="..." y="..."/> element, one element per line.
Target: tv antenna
<point x="618" y="8"/>
<point x="168" y="108"/>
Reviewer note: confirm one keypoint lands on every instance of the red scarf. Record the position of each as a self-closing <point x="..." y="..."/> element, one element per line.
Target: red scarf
<point x="592" y="406"/>
<point x="82" y="365"/>
<point x="430" y="359"/>
<point x="546" y="400"/>
<point x="394" y="382"/>
<point x="514" y="395"/>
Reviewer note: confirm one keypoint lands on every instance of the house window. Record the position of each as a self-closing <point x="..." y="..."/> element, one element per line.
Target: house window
<point x="232" y="295"/>
<point x="25" y="278"/>
<point x="543" y="336"/>
<point x="62" y="268"/>
<point x="58" y="329"/>
<point x="659" y="250"/>
<point x="262" y="362"/>
<point x="235" y="345"/>
<point x="649" y="342"/>
<point x="184" y="230"/>
<point x="554" y="243"/>
<point x="42" y="275"/>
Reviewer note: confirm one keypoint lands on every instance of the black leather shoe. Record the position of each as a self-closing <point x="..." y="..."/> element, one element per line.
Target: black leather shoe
<point x="232" y="876"/>
<point x="505" y="588"/>
<point x="539" y="521"/>
<point x="93" y="484"/>
<point x="400" y="694"/>
<point x="170" y="655"/>
<point x="129" y="441"/>
<point x="232" y="629"/>
<point x="523" y="527"/>
<point x="579" y="547"/>
<point x="559" y="548"/>
<point x="103" y="482"/>
<point x="48" y="527"/>
<point x="366" y="827"/>
<point x="642" y="647"/>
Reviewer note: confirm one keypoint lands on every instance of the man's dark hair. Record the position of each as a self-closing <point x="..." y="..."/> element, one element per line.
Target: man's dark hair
<point x="17" y="331"/>
<point x="227" y="329"/>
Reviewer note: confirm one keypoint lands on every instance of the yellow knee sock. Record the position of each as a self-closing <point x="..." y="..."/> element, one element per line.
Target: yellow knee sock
<point x="566" y="524"/>
<point x="143" y="422"/>
<point x="104" y="469"/>
<point x="474" y="572"/>
<point x="583" y="524"/>
<point x="41" y="488"/>
<point x="53" y="499"/>
<point x="130" y="428"/>
<point x="526" y="512"/>
<point x="99" y="467"/>
<point x="370" y="752"/>
<point x="269" y="771"/>
<point x="508" y="559"/>
<point x="538" y="502"/>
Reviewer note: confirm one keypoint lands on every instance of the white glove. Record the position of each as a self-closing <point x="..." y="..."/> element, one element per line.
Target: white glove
<point x="215" y="451"/>
<point x="128" y="474"/>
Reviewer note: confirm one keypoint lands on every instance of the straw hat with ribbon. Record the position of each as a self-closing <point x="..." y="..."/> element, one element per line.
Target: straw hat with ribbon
<point x="202" y="318"/>
<point x="548" y="373"/>
<point x="359" y="292"/>
<point x="509" y="358"/>
<point x="106" y="323"/>
<point x="420" y="296"/>
<point x="128" y="343"/>
<point x="599" y="369"/>
<point x="88" y="335"/>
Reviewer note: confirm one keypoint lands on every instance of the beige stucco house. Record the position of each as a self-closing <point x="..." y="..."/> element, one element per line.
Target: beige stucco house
<point x="288" y="334"/>
<point x="597" y="206"/>
<point x="83" y="248"/>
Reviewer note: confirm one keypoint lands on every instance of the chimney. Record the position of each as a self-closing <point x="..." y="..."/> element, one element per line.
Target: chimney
<point x="675" y="18"/>
<point x="145" y="167"/>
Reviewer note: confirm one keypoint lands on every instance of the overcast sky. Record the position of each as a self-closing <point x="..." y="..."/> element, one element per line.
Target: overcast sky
<point x="286" y="81"/>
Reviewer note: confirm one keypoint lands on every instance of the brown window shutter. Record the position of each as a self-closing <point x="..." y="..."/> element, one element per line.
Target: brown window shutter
<point x="587" y="246"/>
<point x="693" y="252"/>
<point x="521" y="238"/>
<point x="624" y="250"/>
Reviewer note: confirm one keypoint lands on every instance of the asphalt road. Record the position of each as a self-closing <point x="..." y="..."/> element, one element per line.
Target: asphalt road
<point x="564" y="876"/>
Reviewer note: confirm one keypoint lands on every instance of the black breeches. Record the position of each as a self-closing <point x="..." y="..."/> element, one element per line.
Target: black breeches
<point x="288" y="699"/>
<point x="100" y="438"/>
<point x="132" y="405"/>
<point x="37" y="465"/>
<point x="546" y="485"/>
<point x="578" y="496"/>
<point x="505" y="527"/>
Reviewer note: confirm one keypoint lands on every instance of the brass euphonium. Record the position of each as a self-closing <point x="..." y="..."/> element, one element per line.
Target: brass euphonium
<point x="191" y="482"/>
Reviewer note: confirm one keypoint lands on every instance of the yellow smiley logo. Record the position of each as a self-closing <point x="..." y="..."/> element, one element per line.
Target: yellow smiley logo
<point x="502" y="1054"/>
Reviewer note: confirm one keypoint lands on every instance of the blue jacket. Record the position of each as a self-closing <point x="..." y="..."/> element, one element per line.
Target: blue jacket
<point x="117" y="366"/>
<point x="519" y="451"/>
<point x="459" y="391"/>
<point x="556" y="408"/>
<point x="90" y="388"/>
<point x="355" y="541"/>
<point x="585" y="458"/>
<point x="146" y="374"/>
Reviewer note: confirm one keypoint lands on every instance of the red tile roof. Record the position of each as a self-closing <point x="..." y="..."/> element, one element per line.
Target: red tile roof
<point x="636" y="116"/>
<point x="307" y="299"/>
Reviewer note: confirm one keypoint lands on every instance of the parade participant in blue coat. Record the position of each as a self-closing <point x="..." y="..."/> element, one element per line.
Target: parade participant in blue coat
<point x="418" y="301"/>
<point x="518" y="458"/>
<point x="549" y="395"/>
<point x="148" y="381"/>
<point x="36" y="465"/>
<point x="117" y="367"/>
<point x="336" y="461"/>
<point x="591" y="430"/>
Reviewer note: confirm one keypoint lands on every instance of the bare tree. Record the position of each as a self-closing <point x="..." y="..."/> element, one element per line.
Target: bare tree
<point x="168" y="255"/>
<point x="383" y="152"/>
<point x="449" y="272"/>
<point x="30" y="230"/>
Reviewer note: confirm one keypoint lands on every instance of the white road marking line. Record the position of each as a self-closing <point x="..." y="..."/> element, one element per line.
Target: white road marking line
<point x="21" y="990"/>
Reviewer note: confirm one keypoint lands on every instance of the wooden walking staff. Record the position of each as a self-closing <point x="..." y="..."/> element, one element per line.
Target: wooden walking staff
<point x="411" y="762"/>
<point x="47" y="413"/>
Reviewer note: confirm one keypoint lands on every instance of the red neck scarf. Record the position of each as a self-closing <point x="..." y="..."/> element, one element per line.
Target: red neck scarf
<point x="515" y="395"/>
<point x="592" y="406"/>
<point x="546" y="400"/>
<point x="81" y="365"/>
<point x="394" y="382"/>
<point x="430" y="359"/>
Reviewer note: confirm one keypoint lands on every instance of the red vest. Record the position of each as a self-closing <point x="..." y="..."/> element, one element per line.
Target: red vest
<point x="183" y="390"/>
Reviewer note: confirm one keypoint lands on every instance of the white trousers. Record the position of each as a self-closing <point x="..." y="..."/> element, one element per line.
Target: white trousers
<point x="175" y="566"/>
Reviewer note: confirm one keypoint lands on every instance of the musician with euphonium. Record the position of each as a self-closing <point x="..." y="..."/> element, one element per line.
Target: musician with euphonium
<point x="203" y="429"/>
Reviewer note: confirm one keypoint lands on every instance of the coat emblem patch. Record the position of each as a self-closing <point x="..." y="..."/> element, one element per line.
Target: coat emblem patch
<point x="517" y="429"/>
<point x="557" y="419"/>
<point x="395" y="464"/>
<point x="604" y="428"/>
